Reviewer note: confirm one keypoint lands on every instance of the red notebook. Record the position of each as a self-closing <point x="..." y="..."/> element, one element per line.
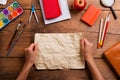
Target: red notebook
<point x="51" y="9"/>
<point x="91" y="15"/>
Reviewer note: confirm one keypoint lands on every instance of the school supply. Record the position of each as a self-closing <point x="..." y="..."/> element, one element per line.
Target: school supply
<point x="51" y="8"/>
<point x="10" y="13"/>
<point x="3" y="2"/>
<point x="100" y="33"/>
<point x="65" y="13"/>
<point x="91" y="15"/>
<point x="109" y="4"/>
<point x="17" y="28"/>
<point x="59" y="51"/>
<point x="16" y="39"/>
<point x="105" y="29"/>
<point x="112" y="56"/>
<point x="33" y="12"/>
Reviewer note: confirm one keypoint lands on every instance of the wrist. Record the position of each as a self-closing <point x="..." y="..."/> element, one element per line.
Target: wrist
<point x="28" y="64"/>
<point x="90" y="59"/>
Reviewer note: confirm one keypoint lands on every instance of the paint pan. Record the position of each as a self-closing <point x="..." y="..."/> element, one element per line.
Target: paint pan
<point x="10" y="13"/>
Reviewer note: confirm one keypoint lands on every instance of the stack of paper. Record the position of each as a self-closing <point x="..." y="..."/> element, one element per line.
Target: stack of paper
<point x="64" y="9"/>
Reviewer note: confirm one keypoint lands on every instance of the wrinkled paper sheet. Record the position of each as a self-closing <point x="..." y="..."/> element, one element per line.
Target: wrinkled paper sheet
<point x="59" y="51"/>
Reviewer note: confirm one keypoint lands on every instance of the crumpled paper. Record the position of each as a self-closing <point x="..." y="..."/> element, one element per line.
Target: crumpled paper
<point x="59" y="51"/>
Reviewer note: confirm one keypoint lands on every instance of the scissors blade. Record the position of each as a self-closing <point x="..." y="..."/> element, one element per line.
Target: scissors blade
<point x="36" y="17"/>
<point x="30" y="16"/>
<point x="32" y="11"/>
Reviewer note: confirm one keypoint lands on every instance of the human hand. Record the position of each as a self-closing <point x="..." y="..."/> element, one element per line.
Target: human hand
<point x="86" y="48"/>
<point x="31" y="53"/>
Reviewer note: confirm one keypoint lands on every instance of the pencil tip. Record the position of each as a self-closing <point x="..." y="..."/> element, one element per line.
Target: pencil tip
<point x="98" y="45"/>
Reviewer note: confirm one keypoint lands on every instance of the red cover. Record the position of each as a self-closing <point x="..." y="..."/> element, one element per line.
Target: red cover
<point x="51" y="8"/>
<point x="91" y="15"/>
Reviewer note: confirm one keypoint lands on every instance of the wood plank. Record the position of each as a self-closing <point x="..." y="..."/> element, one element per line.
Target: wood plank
<point x="27" y="4"/>
<point x="28" y="38"/>
<point x="12" y="66"/>
<point x="73" y="23"/>
<point x="25" y="17"/>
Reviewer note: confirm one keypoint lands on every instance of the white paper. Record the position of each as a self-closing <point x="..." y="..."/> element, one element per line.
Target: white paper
<point x="64" y="10"/>
<point x="3" y="2"/>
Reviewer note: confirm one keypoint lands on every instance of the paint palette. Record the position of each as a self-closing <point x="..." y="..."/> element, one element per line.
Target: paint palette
<point x="10" y="13"/>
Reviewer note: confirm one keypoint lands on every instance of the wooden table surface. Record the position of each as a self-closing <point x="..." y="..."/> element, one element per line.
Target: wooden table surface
<point x="11" y="66"/>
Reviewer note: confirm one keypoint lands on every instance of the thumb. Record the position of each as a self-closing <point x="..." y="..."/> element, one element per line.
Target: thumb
<point x="82" y="43"/>
<point x="35" y="48"/>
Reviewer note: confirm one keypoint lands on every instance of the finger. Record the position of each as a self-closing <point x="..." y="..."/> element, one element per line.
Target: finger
<point x="35" y="48"/>
<point x="31" y="46"/>
<point x="87" y="42"/>
<point x="82" y="43"/>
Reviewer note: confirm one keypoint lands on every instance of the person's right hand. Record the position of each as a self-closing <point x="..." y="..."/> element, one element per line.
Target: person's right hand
<point x="31" y="53"/>
<point x="86" y="49"/>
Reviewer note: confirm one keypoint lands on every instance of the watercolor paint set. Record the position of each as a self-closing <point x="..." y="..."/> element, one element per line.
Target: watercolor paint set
<point x="10" y="13"/>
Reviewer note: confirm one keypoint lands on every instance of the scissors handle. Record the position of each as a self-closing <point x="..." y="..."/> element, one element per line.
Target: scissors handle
<point x="30" y="16"/>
